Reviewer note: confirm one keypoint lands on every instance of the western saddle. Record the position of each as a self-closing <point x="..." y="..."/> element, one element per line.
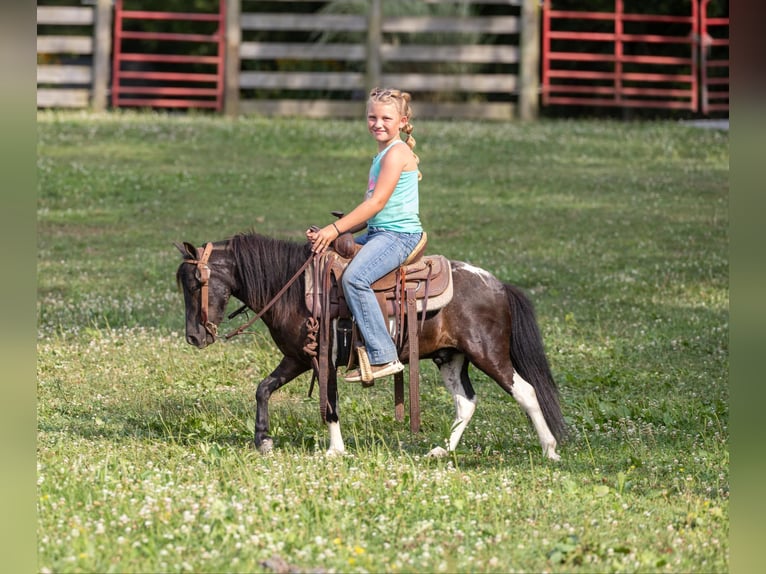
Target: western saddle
<point x="423" y="283"/>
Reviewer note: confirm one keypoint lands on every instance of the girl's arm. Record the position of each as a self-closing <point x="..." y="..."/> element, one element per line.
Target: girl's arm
<point x="394" y="162"/>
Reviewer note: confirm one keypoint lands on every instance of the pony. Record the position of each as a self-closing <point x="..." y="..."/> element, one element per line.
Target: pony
<point x="488" y="323"/>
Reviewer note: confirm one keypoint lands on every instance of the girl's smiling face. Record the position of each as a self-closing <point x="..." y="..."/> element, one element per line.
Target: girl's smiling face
<point x="384" y="122"/>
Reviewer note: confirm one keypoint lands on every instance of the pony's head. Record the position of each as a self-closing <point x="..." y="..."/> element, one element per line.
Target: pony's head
<point x="205" y="277"/>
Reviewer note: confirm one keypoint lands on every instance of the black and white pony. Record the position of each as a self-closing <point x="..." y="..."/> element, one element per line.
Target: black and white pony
<point x="489" y="324"/>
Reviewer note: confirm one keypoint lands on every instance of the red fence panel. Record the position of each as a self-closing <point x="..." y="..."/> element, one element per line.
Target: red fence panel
<point x="192" y="77"/>
<point x="620" y="59"/>
<point x="714" y="61"/>
<point x="623" y="59"/>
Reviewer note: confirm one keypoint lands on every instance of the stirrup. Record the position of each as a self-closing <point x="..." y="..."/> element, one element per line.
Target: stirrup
<point x="365" y="369"/>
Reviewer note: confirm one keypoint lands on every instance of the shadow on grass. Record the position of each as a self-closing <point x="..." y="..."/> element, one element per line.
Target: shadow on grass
<point x="192" y="415"/>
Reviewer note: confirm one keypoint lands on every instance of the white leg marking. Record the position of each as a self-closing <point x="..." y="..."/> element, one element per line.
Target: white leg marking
<point x="266" y="446"/>
<point x="464" y="407"/>
<point x="437" y="452"/>
<point x="525" y="394"/>
<point x="336" y="440"/>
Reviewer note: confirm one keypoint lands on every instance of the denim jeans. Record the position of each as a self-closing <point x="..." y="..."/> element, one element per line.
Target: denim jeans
<point x="382" y="252"/>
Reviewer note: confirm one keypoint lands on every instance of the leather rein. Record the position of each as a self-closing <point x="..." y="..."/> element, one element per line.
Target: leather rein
<point x="203" y="254"/>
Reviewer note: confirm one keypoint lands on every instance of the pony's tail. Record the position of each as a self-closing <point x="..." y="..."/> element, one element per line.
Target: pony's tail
<point x="529" y="360"/>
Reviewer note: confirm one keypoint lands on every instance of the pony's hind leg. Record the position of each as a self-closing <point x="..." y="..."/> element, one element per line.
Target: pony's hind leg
<point x="454" y="371"/>
<point x="525" y="395"/>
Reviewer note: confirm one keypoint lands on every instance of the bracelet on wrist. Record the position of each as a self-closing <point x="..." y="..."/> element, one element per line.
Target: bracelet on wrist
<point x="336" y="228"/>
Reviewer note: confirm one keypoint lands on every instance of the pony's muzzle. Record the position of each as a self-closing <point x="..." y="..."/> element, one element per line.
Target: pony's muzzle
<point x="200" y="341"/>
<point x="204" y="337"/>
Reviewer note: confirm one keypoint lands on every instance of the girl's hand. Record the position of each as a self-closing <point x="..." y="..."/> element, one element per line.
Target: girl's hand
<point x="320" y="239"/>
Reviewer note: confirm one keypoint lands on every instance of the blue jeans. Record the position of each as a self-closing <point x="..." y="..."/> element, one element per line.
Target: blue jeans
<point x="382" y="252"/>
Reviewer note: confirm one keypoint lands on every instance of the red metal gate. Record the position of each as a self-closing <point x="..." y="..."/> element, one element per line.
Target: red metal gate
<point x="634" y="60"/>
<point x="714" y="61"/>
<point x="160" y="68"/>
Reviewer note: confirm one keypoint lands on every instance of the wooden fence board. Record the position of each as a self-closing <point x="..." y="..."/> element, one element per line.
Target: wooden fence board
<point x="64" y="45"/>
<point x="310" y="22"/>
<point x="467" y="110"/>
<point x="58" y="98"/>
<point x="499" y="83"/>
<point x="302" y="80"/>
<point x="304" y="108"/>
<point x="64" y="74"/>
<point x="402" y="24"/>
<point x="468" y="54"/>
<point x="65" y="15"/>
<point x="465" y="25"/>
<point x="298" y="51"/>
<point x="501" y="111"/>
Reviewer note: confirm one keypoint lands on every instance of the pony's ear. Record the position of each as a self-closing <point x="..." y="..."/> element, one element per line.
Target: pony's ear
<point x="188" y="251"/>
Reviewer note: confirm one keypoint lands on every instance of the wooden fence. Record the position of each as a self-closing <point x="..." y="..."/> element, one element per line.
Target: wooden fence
<point x="470" y="59"/>
<point x="456" y="64"/>
<point x="73" y="69"/>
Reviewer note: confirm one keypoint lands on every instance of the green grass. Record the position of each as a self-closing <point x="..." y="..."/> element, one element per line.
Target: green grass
<point x="618" y="231"/>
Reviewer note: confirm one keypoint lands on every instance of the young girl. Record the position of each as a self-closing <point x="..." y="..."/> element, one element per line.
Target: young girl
<point x="390" y="210"/>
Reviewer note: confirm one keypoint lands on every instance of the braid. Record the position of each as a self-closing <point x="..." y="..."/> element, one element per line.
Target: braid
<point x="402" y="102"/>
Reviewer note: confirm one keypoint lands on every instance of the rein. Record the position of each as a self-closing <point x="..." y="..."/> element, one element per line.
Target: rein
<point x="241" y="329"/>
<point x="203" y="254"/>
<point x="320" y="366"/>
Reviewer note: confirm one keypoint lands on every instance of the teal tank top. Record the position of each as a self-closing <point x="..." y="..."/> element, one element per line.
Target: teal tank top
<point x="400" y="213"/>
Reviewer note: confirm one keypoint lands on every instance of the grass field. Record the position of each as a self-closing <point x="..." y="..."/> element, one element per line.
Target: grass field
<point x="617" y="231"/>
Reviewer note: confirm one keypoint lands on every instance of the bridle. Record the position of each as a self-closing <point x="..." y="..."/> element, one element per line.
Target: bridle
<point x="203" y="254"/>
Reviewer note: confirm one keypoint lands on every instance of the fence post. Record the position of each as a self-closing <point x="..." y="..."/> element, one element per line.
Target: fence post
<point x="529" y="64"/>
<point x="102" y="45"/>
<point x="374" y="42"/>
<point x="232" y="60"/>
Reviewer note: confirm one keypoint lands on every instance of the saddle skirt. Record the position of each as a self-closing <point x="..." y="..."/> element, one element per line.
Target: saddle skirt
<point x="430" y="278"/>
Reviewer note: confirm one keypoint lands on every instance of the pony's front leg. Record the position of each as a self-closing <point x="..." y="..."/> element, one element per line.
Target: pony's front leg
<point x="286" y="371"/>
<point x="454" y="372"/>
<point x="331" y="418"/>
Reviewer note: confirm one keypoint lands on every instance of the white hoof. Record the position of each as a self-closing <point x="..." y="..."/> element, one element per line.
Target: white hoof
<point x="437" y="452"/>
<point x="266" y="446"/>
<point x="552" y="454"/>
<point x="332" y="452"/>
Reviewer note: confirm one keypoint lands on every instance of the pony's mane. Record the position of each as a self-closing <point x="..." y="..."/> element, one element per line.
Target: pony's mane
<point x="264" y="265"/>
